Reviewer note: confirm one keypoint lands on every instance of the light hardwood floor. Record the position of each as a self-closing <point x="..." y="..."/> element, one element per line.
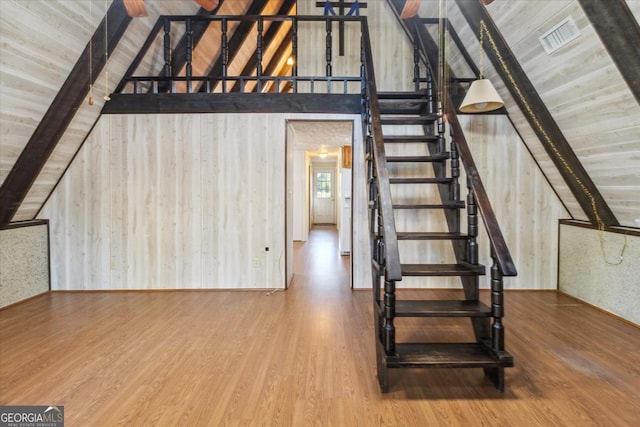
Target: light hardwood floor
<point x="304" y="356"/>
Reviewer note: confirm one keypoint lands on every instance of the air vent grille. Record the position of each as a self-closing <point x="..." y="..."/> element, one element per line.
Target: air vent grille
<point x="560" y="35"/>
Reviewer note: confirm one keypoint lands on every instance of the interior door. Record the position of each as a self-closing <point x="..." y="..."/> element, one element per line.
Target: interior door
<point x="324" y="200"/>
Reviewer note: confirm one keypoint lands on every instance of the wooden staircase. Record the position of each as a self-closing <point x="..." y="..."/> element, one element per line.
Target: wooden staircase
<point x="414" y="161"/>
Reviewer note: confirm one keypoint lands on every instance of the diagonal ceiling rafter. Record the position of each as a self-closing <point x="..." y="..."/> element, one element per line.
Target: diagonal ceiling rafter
<point x="51" y="128"/>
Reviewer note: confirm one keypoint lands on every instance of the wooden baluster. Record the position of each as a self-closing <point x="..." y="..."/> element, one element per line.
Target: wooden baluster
<point x="224" y="42"/>
<point x="430" y="98"/>
<point x="416" y="61"/>
<point x="167" y="52"/>
<point x="389" y="338"/>
<point x="440" y="128"/>
<point x="294" y="49"/>
<point x="472" y="226"/>
<point x="259" y="53"/>
<point x="455" y="170"/>
<point x="363" y="77"/>
<point x="497" y="305"/>
<point x="189" y="43"/>
<point x="328" y="47"/>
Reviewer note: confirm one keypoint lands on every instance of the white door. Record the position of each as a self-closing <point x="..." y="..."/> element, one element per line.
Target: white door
<point x="324" y="201"/>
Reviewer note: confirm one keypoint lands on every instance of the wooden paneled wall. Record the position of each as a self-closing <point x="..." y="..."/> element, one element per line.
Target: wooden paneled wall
<point x="183" y="202"/>
<point x="171" y="202"/>
<point x="527" y="209"/>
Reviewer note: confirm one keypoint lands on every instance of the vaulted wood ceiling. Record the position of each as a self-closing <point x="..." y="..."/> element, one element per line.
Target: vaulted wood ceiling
<point x="586" y="88"/>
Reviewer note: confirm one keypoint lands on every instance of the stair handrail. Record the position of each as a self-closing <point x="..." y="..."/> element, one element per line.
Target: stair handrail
<point x="498" y="244"/>
<point x="392" y="254"/>
<point x="499" y="249"/>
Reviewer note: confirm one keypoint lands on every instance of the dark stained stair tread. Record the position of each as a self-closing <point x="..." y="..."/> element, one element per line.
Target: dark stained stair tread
<point x="442" y="269"/>
<point x="433" y="235"/>
<point x="402" y="106"/>
<point x="441" y="308"/>
<point x="402" y="95"/>
<point x="397" y="139"/>
<point x="449" y="205"/>
<point x="417" y="159"/>
<point x="420" y="180"/>
<point x="446" y="355"/>
<point x="408" y="120"/>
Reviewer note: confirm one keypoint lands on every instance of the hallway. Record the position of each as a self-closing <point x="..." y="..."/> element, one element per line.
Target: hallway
<point x="318" y="259"/>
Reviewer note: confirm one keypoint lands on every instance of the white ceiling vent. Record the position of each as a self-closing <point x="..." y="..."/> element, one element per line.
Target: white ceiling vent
<point x="559" y="35"/>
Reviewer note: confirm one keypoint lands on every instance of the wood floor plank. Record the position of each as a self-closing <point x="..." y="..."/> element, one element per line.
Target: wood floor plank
<point x="306" y="356"/>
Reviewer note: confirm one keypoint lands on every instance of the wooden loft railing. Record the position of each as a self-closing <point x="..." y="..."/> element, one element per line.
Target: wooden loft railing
<point x="154" y="84"/>
<point x="258" y="78"/>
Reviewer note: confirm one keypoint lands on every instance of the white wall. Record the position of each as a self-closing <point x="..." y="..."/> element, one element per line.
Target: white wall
<point x="591" y="269"/>
<point x="301" y="210"/>
<point x="24" y="262"/>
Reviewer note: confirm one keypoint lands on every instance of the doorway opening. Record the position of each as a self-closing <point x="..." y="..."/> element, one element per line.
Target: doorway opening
<point x="319" y="190"/>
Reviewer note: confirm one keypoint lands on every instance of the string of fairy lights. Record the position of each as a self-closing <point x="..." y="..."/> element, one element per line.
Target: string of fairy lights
<point x="600" y="223"/>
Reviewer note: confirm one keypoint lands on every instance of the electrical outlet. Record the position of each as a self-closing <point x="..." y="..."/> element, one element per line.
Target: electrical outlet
<point x="637" y="220"/>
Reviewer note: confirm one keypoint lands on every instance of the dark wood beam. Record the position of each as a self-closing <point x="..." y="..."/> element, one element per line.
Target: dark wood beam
<point x="234" y="45"/>
<point x="619" y="31"/>
<point x="179" y="53"/>
<point x="539" y="117"/>
<point x="282" y="50"/>
<point x="269" y="36"/>
<point x="60" y="113"/>
<point x="174" y="103"/>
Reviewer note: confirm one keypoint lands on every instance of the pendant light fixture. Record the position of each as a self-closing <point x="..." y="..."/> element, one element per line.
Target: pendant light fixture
<point x="482" y="96"/>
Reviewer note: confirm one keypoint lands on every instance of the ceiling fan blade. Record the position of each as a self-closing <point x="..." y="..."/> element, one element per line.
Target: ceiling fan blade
<point x="207" y="5"/>
<point x="135" y="8"/>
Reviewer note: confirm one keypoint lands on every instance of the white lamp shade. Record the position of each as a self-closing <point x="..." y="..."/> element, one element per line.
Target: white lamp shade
<point x="481" y="97"/>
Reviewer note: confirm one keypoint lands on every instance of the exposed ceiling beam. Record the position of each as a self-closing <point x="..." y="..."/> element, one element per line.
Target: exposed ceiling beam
<point x="61" y="111"/>
<point x="269" y="36"/>
<point x="179" y="53"/>
<point x="539" y="117"/>
<point x="278" y="63"/>
<point x="178" y="103"/>
<point x="619" y="31"/>
<point x="237" y="39"/>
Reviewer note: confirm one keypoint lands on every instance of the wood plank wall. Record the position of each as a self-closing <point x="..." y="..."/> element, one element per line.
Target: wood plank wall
<point x="172" y="201"/>
<point x="182" y="202"/>
<point x="527" y="209"/>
